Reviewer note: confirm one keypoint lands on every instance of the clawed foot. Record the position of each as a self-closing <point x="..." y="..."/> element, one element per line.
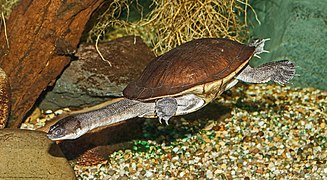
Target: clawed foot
<point x="259" y="45"/>
<point x="166" y="108"/>
<point x="283" y="72"/>
<point x="165" y="119"/>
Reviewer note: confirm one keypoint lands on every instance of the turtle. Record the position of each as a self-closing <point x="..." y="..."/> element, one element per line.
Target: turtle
<point x="179" y="82"/>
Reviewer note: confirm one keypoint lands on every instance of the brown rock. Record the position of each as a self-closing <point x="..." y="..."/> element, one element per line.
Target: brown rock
<point x="38" y="33"/>
<point x="26" y="154"/>
<point x="91" y="80"/>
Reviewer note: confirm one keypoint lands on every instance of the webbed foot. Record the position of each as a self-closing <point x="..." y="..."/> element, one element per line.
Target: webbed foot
<point x="165" y="108"/>
<point x="280" y="72"/>
<point x="283" y="71"/>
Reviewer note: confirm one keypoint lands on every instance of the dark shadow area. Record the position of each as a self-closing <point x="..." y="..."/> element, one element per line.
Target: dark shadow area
<point x="93" y="148"/>
<point x="55" y="151"/>
<point x="103" y="142"/>
<point x="177" y="129"/>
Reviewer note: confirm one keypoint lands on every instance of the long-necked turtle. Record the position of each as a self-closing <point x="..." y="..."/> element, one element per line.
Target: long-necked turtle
<point x="180" y="82"/>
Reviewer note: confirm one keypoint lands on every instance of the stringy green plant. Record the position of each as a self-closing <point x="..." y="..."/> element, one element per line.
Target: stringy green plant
<point x="173" y="22"/>
<point x="6" y="6"/>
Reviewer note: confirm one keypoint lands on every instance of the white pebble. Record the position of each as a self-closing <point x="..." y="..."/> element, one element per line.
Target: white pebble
<point x="122" y="172"/>
<point x="219" y="171"/>
<point x="48" y="112"/>
<point x="246" y="151"/>
<point x="308" y="126"/>
<point x="175" y="149"/>
<point x="233" y="172"/>
<point x="181" y="174"/>
<point x="209" y="174"/>
<point x="214" y="154"/>
<point x="148" y="174"/>
<point x="197" y="159"/>
<point x="176" y="158"/>
<point x="261" y="123"/>
<point x="325" y="170"/>
<point x="134" y="165"/>
<point x="60" y="111"/>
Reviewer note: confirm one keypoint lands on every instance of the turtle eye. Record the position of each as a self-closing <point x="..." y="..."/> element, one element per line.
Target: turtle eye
<point x="58" y="132"/>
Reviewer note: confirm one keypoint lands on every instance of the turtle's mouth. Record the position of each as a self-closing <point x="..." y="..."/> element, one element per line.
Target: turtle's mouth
<point x="58" y="135"/>
<point x="53" y="137"/>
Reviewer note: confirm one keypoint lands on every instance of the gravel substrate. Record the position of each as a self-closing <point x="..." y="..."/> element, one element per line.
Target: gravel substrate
<point x="271" y="132"/>
<point x="251" y="132"/>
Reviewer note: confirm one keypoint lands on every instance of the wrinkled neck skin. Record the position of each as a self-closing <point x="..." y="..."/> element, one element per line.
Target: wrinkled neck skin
<point x="74" y="126"/>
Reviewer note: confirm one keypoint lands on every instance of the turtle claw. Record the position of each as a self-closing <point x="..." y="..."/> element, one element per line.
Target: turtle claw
<point x="259" y="45"/>
<point x="166" y="120"/>
<point x="255" y="55"/>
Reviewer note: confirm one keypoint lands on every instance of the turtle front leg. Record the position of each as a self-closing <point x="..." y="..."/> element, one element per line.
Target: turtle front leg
<point x="165" y="108"/>
<point x="280" y="72"/>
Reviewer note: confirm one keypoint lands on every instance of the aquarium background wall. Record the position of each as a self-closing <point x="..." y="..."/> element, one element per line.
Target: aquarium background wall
<point x="298" y="31"/>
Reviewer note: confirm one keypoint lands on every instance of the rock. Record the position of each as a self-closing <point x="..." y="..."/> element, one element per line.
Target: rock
<point x="298" y="31"/>
<point x="35" y="54"/>
<point x="91" y="80"/>
<point x="26" y="154"/>
<point x="4" y="99"/>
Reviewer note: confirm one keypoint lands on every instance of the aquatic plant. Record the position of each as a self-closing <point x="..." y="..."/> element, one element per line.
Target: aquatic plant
<point x="171" y="23"/>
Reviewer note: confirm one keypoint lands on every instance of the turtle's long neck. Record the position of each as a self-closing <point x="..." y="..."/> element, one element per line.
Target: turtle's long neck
<point x="74" y="126"/>
<point x="116" y="112"/>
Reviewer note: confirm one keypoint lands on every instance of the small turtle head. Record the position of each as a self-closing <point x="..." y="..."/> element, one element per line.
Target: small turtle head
<point x="67" y="128"/>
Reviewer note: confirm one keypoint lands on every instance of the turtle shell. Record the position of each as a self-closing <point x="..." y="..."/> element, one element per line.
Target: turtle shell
<point x="191" y="64"/>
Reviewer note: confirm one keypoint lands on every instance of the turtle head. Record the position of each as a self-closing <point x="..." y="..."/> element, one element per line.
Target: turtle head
<point x="67" y="128"/>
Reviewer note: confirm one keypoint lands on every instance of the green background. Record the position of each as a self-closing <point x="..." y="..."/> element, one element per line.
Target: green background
<point x="298" y="32"/>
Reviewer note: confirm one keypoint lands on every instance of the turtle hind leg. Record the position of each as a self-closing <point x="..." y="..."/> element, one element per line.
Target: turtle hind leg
<point x="280" y="72"/>
<point x="189" y="103"/>
<point x="165" y="108"/>
<point x="284" y="71"/>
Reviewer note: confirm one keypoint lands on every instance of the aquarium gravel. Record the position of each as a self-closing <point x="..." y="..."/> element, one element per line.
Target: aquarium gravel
<point x="270" y="132"/>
